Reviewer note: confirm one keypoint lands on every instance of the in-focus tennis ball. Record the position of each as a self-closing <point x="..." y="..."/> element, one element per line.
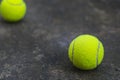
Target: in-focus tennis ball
<point x="86" y="52"/>
<point x="12" y="10"/>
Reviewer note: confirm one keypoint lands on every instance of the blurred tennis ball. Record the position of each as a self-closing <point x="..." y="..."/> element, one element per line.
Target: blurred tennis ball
<point x="12" y="10"/>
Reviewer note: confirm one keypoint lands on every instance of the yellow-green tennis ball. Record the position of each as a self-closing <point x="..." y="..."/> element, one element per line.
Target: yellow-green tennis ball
<point x="86" y="52"/>
<point x="12" y="10"/>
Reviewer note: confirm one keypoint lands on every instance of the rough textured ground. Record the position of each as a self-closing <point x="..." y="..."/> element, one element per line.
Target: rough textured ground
<point x="36" y="47"/>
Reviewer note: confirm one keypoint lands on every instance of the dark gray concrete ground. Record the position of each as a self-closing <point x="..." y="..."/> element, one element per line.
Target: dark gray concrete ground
<point x="36" y="47"/>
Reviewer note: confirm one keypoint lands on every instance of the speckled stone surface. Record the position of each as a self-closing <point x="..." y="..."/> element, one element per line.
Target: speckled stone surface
<point x="36" y="48"/>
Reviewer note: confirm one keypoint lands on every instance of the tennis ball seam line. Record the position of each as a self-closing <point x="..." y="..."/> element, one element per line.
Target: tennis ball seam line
<point x="73" y="51"/>
<point x="14" y="4"/>
<point x="97" y="54"/>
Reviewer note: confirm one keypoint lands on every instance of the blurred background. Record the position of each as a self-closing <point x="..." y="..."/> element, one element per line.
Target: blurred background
<point x="36" y="48"/>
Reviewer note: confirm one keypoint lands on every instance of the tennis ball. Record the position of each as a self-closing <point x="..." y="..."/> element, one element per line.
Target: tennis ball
<point x="12" y="10"/>
<point x="86" y="52"/>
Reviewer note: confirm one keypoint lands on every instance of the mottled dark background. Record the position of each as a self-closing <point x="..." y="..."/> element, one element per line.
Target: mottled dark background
<point x="36" y="47"/>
